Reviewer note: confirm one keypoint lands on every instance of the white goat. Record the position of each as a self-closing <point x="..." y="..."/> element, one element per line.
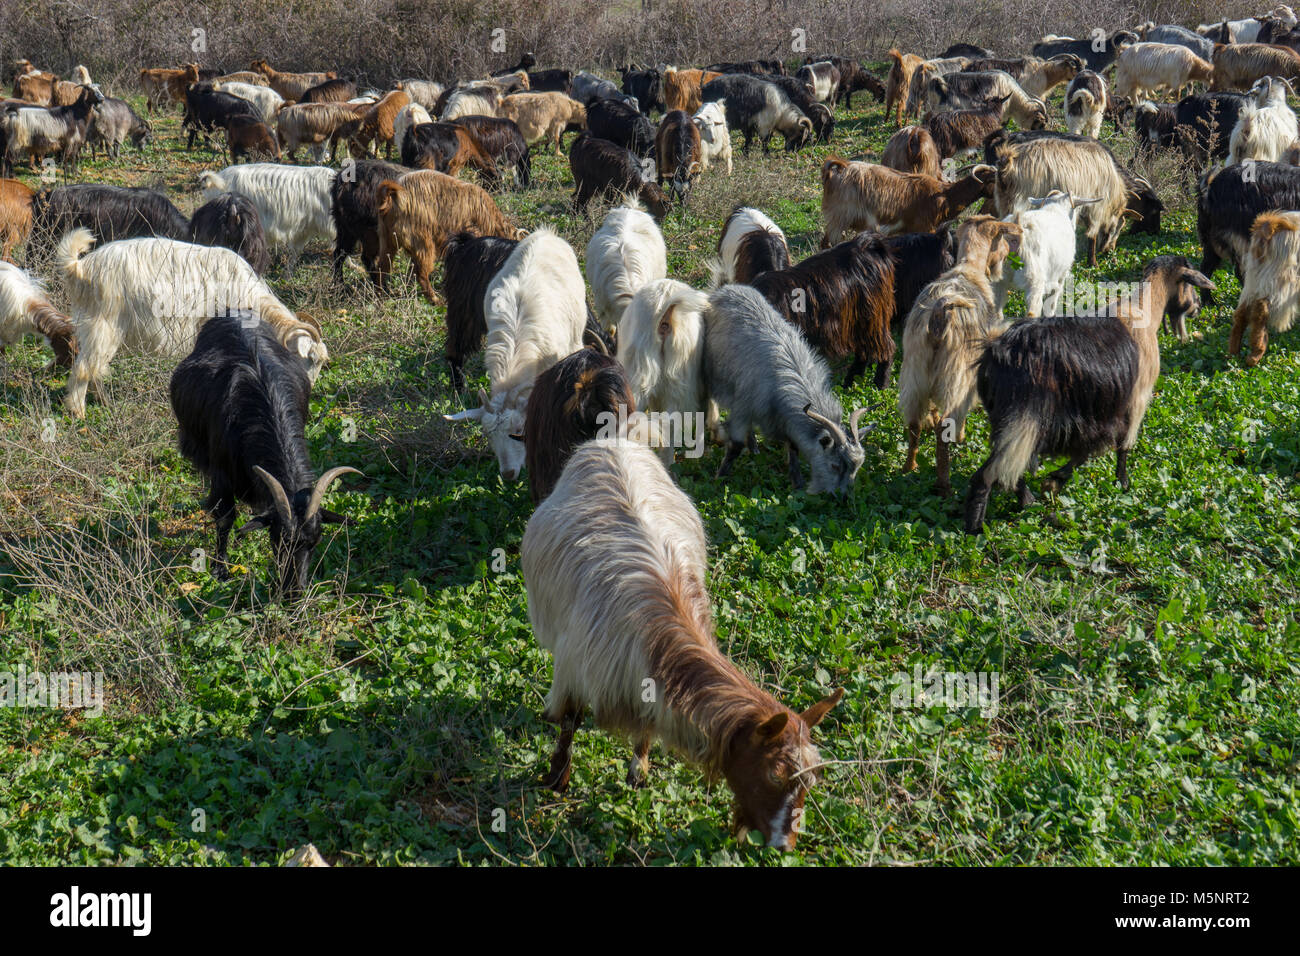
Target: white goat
<point x="25" y="308"/>
<point x="292" y="201"/>
<point x="1046" y="250"/>
<point x="1270" y="285"/>
<point x="625" y="253"/>
<point x="715" y="138"/>
<point x="536" y="309"/>
<point x="423" y="92"/>
<point x="266" y="100"/>
<point x="1266" y="127"/>
<point x="1144" y="68"/>
<point x="153" y="295"/>
<point x="412" y="114"/>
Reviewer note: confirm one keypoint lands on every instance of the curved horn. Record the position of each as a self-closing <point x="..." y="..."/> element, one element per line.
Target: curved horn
<point x="833" y="427"/>
<point x="322" y="485"/>
<point x="278" y="497"/>
<point x="853" y="423"/>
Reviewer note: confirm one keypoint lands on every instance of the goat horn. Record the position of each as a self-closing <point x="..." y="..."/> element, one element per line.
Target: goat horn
<point x="278" y="497"/>
<point x="322" y="485"/>
<point x="833" y="427"/>
<point x="853" y="423"/>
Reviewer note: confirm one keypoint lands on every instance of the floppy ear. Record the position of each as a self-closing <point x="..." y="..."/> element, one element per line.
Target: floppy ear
<point x="255" y="523"/>
<point x="1197" y="279"/>
<point x="333" y="517"/>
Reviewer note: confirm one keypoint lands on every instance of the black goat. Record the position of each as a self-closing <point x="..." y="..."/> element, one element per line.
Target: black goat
<point x="1205" y="124"/>
<point x="550" y="81"/>
<point x="617" y="122"/>
<point x="469" y="263"/>
<point x="232" y="221"/>
<point x="757" y="107"/>
<point x="755" y="67"/>
<point x="967" y="49"/>
<point x="1156" y="126"/>
<point x="1228" y="202"/>
<point x="354" y="207"/>
<point x="109" y="212"/>
<point x="602" y="168"/>
<point x="240" y="400"/>
<point x="207" y="110"/>
<point x="647" y="86"/>
<point x="1096" y="60"/>
<point x="501" y="139"/>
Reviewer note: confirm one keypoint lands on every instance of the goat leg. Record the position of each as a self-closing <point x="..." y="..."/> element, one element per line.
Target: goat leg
<point x="639" y="767"/>
<point x="942" y="465"/>
<point x="734" y="448"/>
<point x="913" y="441"/>
<point x="1121" y="466"/>
<point x="1258" y="333"/>
<point x="792" y="461"/>
<point x="562" y="756"/>
<point x="1055" y="481"/>
<point x="977" y="499"/>
<point x="1024" y="496"/>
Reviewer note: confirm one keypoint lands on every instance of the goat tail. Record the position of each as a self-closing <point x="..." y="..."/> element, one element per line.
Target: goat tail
<point x="717" y="274"/>
<point x="831" y="167"/>
<point x="1014" y="445"/>
<point x="679" y="340"/>
<point x="68" y="253"/>
<point x="210" y="182"/>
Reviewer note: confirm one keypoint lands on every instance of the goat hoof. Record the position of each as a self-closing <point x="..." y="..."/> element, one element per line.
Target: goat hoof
<point x="636" y="775"/>
<point x="943" y="490"/>
<point x="558" y="778"/>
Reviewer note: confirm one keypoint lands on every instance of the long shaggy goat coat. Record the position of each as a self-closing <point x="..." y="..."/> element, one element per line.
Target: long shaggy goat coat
<point x="661" y="345"/>
<point x="25" y="308"/>
<point x="750" y="243"/>
<point x="1270" y="287"/>
<point x="232" y="221"/>
<point x="152" y="295"/>
<point x="624" y="254"/>
<point x="293" y="202"/>
<point x="469" y="265"/>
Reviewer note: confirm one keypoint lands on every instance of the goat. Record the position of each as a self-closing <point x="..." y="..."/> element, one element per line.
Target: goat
<point x="759" y="366"/>
<point x="842" y="300"/>
<point x="853" y="77"/>
<point x="163" y="86"/>
<point x="423" y="92"/>
<point x="967" y="49"/>
<point x="112" y="123"/>
<point x="767" y="67"/>
<point x="247" y="138"/>
<point x="1205" y="122"/>
<point x="859" y="196"/>
<point x="292" y="202"/>
<point x="354" y="208"/>
<point x="109" y="212"/>
<point x="715" y="138"/>
<point x="471" y="101"/>
<point x="1143" y="69"/>
<point x="316" y="126"/>
<point x="470" y="263"/>
<point x="1156" y="127"/>
<point x="1181" y="36"/>
<point x="570" y="403"/>
<point x="551" y="81"/>
<point x="153" y="294"/>
<point x="1047" y="251"/>
<point x="642" y="574"/>
<point x="1086" y="100"/>
<point x="36" y="132"/>
<point x="822" y="80"/>
<point x="943" y="334"/>
<point x="1097" y="60"/>
<point x="16" y="204"/>
<point x="1041" y="77"/>
<point x="1076" y="386"/>
<point x="500" y="139"/>
<point x="25" y="308"/>
<point x="646" y="87"/>
<point x="818" y="114"/>
<point x="447" y="148"/>
<point x="375" y="125"/>
<point x="544" y="117"/>
<point x="624" y="254"/>
<point x="330" y="91"/>
<point x="240" y="400"/>
<point x="898" y="84"/>
<point x="421" y="209"/>
<point x="265" y="100"/>
<point x="1266" y="127"/>
<point x="913" y="150"/>
<point x="1228" y="203"/>
<point x="759" y="108"/>
<point x="1270" y="285"/>
<point x="409" y="116"/>
<point x="232" y="221"/>
<point x="679" y="155"/>
<point x="958" y="132"/>
<point x="601" y="167"/>
<point x="621" y="124"/>
<point x="536" y="308"/>
<point x="682" y="88"/>
<point x="207" y="109"/>
<point x="587" y="88"/>
<point x="1240" y="66"/>
<point x="290" y="85"/>
<point x="972" y="90"/>
<point x="750" y="243"/>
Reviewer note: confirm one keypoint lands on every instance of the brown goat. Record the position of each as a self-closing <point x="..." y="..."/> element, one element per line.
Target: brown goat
<point x="678" y="150"/>
<point x="565" y="409"/>
<point x="449" y="152"/>
<point x="1237" y="66"/>
<point x="375" y="126"/>
<point x="163" y="86"/>
<point x="858" y="196"/>
<point x="543" y="116"/>
<point x="421" y="210"/>
<point x="898" y="85"/>
<point x="247" y="137"/>
<point x="962" y="131"/>
<point x="682" y="88"/>
<point x="15" y="215"/>
<point x="290" y="85"/>
<point x="912" y="150"/>
<point x="36" y="88"/>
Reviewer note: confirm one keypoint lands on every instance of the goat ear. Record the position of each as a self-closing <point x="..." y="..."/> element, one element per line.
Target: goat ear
<point x="333" y="517"/>
<point x="771" y="728"/>
<point x="814" y="714"/>
<point x="255" y="523"/>
<point x="1192" y="277"/>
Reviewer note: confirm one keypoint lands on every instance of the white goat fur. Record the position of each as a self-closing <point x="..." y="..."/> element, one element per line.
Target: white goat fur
<point x="749" y="220"/>
<point x="536" y="310"/>
<point x="412" y="114"/>
<point x="715" y="139"/>
<point x="18" y="291"/>
<point x="1266" y="127"/>
<point x="266" y="100"/>
<point x="152" y="296"/>
<point x="625" y="253"/>
<point x="1047" y="251"/>
<point x="661" y="346"/>
<point x="293" y="201"/>
<point x="1272" y="271"/>
<point x="1145" y="68"/>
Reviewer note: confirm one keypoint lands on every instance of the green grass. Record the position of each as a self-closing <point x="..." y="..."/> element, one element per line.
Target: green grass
<point x="1146" y="642"/>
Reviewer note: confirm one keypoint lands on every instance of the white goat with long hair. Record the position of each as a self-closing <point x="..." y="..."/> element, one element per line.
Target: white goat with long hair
<point x="536" y="310"/>
<point x="292" y="201"/>
<point x="1270" y="285"/>
<point x="25" y="309"/>
<point x="616" y="566"/>
<point x="625" y="253"/>
<point x="1265" y="127"/>
<point x="152" y="295"/>
<point x="1046" y="251"/>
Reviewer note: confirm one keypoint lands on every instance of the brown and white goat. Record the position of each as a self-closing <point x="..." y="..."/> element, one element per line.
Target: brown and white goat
<point x="1239" y="65"/>
<point x="25" y="308"/>
<point x="616" y="566"/>
<point x="943" y="336"/>
<point x="1270" y="286"/>
<point x="857" y="196"/>
<point x="375" y="125"/>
